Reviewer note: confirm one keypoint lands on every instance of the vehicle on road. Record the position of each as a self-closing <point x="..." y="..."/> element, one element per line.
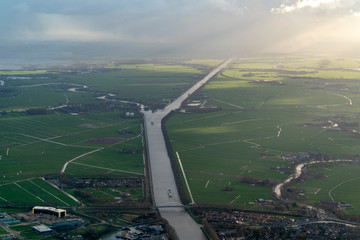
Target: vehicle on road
<point x="169" y="192"/>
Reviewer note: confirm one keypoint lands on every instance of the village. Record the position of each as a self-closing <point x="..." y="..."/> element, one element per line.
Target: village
<point x="46" y="223"/>
<point x="235" y="224"/>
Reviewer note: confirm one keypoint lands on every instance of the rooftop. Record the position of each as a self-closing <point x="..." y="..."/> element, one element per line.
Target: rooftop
<point x="42" y="228"/>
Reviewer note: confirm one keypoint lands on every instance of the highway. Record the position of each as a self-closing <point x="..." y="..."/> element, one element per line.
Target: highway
<point x="162" y="175"/>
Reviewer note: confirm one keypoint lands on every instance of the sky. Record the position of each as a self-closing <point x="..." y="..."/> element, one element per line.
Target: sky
<point x="176" y="28"/>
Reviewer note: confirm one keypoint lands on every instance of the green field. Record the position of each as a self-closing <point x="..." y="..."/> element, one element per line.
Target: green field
<point x="153" y="84"/>
<point x="86" y="133"/>
<point x="270" y="108"/>
<point x="339" y="184"/>
<point x="108" y="196"/>
<point x="21" y="228"/>
<point x="3" y="231"/>
<point x="33" y="192"/>
<point x="39" y="145"/>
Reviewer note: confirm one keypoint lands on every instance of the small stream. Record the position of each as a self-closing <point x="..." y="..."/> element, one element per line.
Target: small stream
<point x="298" y="171"/>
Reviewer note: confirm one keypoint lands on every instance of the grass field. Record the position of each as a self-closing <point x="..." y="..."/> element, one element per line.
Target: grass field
<point x="3" y="231"/>
<point x="90" y="142"/>
<point x="33" y="192"/>
<point x="146" y="83"/>
<point x="338" y="184"/>
<point x="21" y="228"/>
<point x="38" y="145"/>
<point x="270" y="107"/>
<point x="109" y="196"/>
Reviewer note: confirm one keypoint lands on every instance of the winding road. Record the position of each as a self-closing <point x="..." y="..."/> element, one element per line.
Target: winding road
<point x="162" y="175"/>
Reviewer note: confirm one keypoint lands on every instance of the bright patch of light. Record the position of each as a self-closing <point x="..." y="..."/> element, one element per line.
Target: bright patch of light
<point x="301" y="4"/>
<point x="230" y="6"/>
<point x="355" y="14"/>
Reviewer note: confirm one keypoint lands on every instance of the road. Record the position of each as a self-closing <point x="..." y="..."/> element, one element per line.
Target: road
<point x="161" y="172"/>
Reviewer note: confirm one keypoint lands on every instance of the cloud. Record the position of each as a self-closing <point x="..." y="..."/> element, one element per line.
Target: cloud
<point x="336" y="35"/>
<point x="21" y="7"/>
<point x="302" y="4"/>
<point x="233" y="6"/>
<point x="59" y="27"/>
<point x="177" y="22"/>
<point x="177" y="26"/>
<point x="355" y="14"/>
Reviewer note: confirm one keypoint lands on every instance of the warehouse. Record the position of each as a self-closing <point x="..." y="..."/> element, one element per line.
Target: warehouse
<point x="49" y="210"/>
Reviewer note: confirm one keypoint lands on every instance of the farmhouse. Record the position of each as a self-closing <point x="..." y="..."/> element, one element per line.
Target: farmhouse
<point x="49" y="210"/>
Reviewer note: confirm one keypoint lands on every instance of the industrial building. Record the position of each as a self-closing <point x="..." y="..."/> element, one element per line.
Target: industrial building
<point x="42" y="229"/>
<point x="66" y="226"/>
<point x="50" y="211"/>
<point x="5" y="219"/>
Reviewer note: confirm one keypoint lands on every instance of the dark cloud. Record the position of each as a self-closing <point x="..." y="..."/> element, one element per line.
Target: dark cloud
<point x="163" y="27"/>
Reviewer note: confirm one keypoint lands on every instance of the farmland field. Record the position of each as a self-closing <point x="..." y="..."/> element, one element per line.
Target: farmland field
<point x="147" y="83"/>
<point x="72" y="121"/>
<point x="267" y="110"/>
<point x="339" y="184"/>
<point x="2" y="231"/>
<point x="33" y="192"/>
<point x="39" y="145"/>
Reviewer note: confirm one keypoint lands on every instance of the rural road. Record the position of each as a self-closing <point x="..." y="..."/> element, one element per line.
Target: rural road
<point x="161" y="172"/>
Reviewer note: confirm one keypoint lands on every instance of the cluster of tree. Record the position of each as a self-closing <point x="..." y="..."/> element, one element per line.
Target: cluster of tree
<point x="154" y="106"/>
<point x="228" y="189"/>
<point x="146" y="217"/>
<point x="350" y="156"/>
<point x="204" y="109"/>
<point x="280" y="71"/>
<point x="37" y="111"/>
<point x="312" y="175"/>
<point x="128" y="151"/>
<point x="210" y="230"/>
<point x="95" y="234"/>
<point x="125" y="131"/>
<point x="88" y="197"/>
<point x="258" y="181"/>
<point x="85" y="195"/>
<point x="100" y="107"/>
<point x="63" y="179"/>
<point x="338" y="212"/>
<point x="291" y="193"/>
<point x="248" y="74"/>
